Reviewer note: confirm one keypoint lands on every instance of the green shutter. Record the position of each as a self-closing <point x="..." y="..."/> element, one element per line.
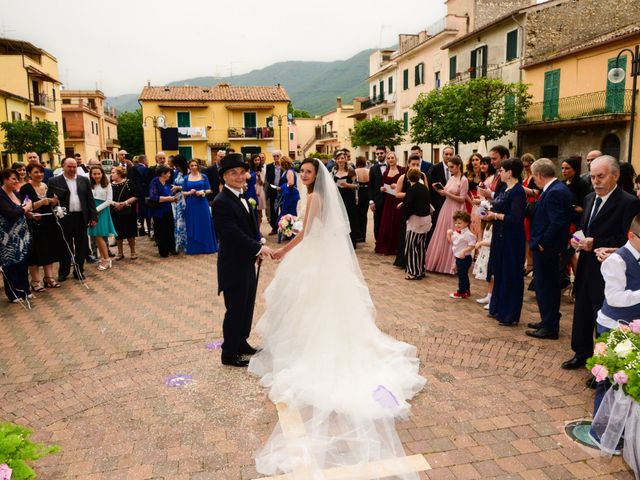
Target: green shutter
<point x="375" y="93"/>
<point x="390" y="85"/>
<point x="250" y="120"/>
<point x="381" y="90"/>
<point x="512" y="45"/>
<point x="405" y="79"/>
<point x="186" y="152"/>
<point x="184" y="119"/>
<point x="419" y="74"/>
<point x="405" y="120"/>
<point x="473" y="63"/>
<point x="453" y="67"/>
<point x="551" y="95"/>
<point x="510" y="107"/>
<point x="614" y="98"/>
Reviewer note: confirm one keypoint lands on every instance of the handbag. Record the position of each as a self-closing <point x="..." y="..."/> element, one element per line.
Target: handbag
<point x="150" y="203"/>
<point x="127" y="210"/>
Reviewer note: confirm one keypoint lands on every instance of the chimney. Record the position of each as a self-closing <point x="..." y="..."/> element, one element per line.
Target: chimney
<point x="148" y="83"/>
<point x="338" y="102"/>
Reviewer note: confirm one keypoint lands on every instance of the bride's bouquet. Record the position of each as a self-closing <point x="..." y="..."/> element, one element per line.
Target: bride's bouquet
<point x="288" y="227"/>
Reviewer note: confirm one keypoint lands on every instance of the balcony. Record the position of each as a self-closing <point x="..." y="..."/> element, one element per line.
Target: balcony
<point x="604" y="105"/>
<point x="251" y="132"/>
<point x="192" y="133"/>
<point x="322" y="134"/>
<point x="112" y="143"/>
<point x="74" y="134"/>
<point x="42" y="101"/>
<point x="492" y="71"/>
<point x="372" y="101"/>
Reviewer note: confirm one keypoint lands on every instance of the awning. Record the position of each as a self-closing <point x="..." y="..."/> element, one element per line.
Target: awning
<point x="247" y="106"/>
<point x="34" y="72"/>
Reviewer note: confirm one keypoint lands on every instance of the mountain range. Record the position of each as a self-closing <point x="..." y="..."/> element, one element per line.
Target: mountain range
<point x="312" y="86"/>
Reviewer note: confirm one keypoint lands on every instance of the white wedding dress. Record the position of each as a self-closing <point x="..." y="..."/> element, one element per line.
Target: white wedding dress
<point x="323" y="355"/>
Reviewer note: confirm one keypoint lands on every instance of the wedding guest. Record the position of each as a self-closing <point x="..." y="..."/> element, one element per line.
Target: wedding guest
<point x="549" y="233"/>
<point x="637" y="186"/>
<point x="345" y="178"/>
<point x="439" y="255"/>
<point x="376" y="195"/>
<point x="475" y="176"/>
<point x="273" y="174"/>
<point x="252" y="180"/>
<point x="362" y="207"/>
<point x="463" y="243"/>
<point x="401" y="192"/>
<point x="179" y="206"/>
<point x="200" y="233"/>
<point x="507" y="245"/>
<point x="288" y="190"/>
<point x="608" y="212"/>
<point x="627" y="176"/>
<point x="45" y="235"/>
<point x="256" y="171"/>
<point x="22" y="173"/>
<point x="481" y="267"/>
<point x="532" y="191"/>
<point x="578" y="187"/>
<point x="387" y="240"/>
<point x="416" y="212"/>
<point x="440" y="174"/>
<point x="161" y="198"/>
<point x="103" y="195"/>
<point x="14" y="248"/>
<point x="141" y="183"/>
<point x="123" y="211"/>
<point x="34" y="158"/>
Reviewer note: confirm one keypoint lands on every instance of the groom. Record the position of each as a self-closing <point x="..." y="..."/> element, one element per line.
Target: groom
<point x="240" y="247"/>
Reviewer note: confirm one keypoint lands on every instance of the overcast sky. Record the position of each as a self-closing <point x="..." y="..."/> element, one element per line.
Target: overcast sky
<point x="119" y="45"/>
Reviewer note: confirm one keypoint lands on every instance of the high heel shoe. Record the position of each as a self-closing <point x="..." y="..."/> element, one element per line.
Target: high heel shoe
<point x="105" y="266"/>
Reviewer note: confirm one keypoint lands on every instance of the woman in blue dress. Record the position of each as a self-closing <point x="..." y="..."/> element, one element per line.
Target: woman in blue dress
<point x="289" y="194"/>
<point x="252" y="178"/>
<point x="180" y="206"/>
<point x="200" y="234"/>
<point x="507" y="246"/>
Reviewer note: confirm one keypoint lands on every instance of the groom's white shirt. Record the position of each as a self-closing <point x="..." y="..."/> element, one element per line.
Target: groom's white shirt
<point x="238" y="194"/>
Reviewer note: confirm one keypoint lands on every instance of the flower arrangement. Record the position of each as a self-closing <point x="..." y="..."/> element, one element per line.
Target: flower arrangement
<point x="617" y="357"/>
<point x="252" y="202"/>
<point x="16" y="449"/>
<point x="285" y="225"/>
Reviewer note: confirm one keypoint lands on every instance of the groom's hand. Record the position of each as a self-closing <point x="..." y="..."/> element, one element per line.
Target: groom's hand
<point x="266" y="252"/>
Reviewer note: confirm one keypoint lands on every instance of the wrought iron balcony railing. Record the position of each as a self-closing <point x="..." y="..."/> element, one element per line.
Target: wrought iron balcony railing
<point x="43" y="100"/>
<point x="372" y="101"/>
<point x="250" y="132"/>
<point x="608" y="102"/>
<point x="492" y="71"/>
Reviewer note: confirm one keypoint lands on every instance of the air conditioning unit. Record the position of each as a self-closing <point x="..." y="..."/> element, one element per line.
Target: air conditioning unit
<point x="385" y="111"/>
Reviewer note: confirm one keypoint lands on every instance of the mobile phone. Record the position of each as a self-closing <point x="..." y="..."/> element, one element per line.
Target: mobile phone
<point x="438" y="186"/>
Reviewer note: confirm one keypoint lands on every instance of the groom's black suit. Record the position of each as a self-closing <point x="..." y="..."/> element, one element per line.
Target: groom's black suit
<point x="237" y="233"/>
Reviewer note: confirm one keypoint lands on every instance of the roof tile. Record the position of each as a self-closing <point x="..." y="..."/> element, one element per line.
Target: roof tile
<point x="221" y="92"/>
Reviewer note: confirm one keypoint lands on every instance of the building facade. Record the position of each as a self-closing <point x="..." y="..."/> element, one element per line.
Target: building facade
<point x="198" y="121"/>
<point x="29" y="90"/>
<point x="90" y="126"/>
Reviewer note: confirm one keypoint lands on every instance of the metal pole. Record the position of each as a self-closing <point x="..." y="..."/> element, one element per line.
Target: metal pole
<point x="280" y="130"/>
<point x="155" y="134"/>
<point x="635" y="60"/>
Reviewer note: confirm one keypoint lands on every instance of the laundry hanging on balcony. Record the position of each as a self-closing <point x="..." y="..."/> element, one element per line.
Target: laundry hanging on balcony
<point x="193" y="131"/>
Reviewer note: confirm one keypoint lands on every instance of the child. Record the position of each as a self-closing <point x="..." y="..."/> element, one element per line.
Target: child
<point x="481" y="266"/>
<point x="463" y="242"/>
<point x="416" y="212"/>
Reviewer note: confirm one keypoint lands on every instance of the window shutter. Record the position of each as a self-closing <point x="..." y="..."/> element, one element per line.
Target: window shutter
<point x="405" y="79"/>
<point x="453" y="67"/>
<point x="390" y="85"/>
<point x="405" y="121"/>
<point x="184" y="119"/>
<point x="512" y="45"/>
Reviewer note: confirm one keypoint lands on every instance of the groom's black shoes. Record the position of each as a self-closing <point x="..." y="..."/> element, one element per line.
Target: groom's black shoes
<point x="234" y="361"/>
<point x="249" y="350"/>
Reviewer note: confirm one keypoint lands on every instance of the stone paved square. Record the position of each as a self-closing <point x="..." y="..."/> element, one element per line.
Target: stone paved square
<point x="87" y="369"/>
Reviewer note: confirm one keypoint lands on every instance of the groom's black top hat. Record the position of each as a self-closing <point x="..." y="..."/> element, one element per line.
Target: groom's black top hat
<point x="233" y="160"/>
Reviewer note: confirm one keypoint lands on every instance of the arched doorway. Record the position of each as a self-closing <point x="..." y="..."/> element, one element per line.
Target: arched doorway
<point x="611" y="145"/>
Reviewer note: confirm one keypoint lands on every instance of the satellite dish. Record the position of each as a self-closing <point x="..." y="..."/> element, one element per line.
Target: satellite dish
<point x="616" y="75"/>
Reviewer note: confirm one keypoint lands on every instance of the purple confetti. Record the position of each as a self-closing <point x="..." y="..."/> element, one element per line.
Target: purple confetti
<point x="385" y="398"/>
<point x="217" y="345"/>
<point x="179" y="380"/>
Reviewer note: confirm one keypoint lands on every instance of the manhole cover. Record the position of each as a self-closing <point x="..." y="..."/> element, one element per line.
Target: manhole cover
<point x="578" y="431"/>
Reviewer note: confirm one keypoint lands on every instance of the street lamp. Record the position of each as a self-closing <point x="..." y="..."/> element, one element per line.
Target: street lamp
<point x="158" y="122"/>
<point x="288" y="116"/>
<point x="617" y="75"/>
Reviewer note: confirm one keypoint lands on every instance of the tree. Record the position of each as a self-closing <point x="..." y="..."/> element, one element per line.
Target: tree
<point x="298" y="113"/>
<point x="25" y="136"/>
<point x="463" y="112"/>
<point x="130" y="132"/>
<point x="376" y="131"/>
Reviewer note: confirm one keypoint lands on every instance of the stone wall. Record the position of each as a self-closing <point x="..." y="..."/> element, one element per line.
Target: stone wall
<point x="487" y="11"/>
<point x="565" y="24"/>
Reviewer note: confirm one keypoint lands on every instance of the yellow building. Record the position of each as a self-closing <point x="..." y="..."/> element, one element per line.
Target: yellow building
<point x="29" y="90"/>
<point x="198" y="121"/>
<point x="90" y="127"/>
<point x="575" y="107"/>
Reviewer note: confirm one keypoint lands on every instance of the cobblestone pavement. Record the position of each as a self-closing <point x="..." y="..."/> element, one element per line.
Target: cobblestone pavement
<point x="87" y="369"/>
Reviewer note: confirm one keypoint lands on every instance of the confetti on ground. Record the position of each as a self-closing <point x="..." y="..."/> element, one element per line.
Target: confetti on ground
<point x="179" y="380"/>
<point x="384" y="397"/>
<point x="217" y="345"/>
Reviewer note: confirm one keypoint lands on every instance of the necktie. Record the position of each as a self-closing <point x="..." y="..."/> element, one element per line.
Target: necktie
<point x="596" y="208"/>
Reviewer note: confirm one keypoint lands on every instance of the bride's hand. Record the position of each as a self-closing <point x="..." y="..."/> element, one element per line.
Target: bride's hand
<point x="278" y="254"/>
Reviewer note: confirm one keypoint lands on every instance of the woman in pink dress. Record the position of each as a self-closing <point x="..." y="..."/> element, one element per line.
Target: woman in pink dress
<point x="387" y="241"/>
<point x="439" y="254"/>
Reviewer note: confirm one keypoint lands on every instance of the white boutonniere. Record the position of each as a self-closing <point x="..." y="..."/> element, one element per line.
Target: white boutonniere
<point x="252" y="202"/>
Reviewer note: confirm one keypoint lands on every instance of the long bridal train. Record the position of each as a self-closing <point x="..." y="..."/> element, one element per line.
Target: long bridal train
<point x="324" y="357"/>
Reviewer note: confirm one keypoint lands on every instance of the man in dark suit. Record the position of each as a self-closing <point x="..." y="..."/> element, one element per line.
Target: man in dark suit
<point x="213" y="175"/>
<point x="439" y="174"/>
<point x="608" y="212"/>
<point x="549" y="234"/>
<point x="74" y="194"/>
<point x="238" y="234"/>
<point x="376" y="197"/>
<point x="425" y="166"/>
<point x="273" y="175"/>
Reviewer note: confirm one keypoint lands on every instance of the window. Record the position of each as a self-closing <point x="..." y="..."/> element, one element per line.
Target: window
<point x="510" y="107"/>
<point x="92" y="129"/>
<point x="66" y="101"/>
<point x="549" y="151"/>
<point x="405" y="79"/>
<point x="375" y="92"/>
<point x="453" y="68"/>
<point x="405" y="121"/>
<point x="108" y="132"/>
<point x="381" y="90"/>
<point x="614" y="96"/>
<point x="250" y="119"/>
<point x="436" y="80"/>
<point x="390" y="85"/>
<point x="186" y="152"/>
<point x="512" y="45"/>
<point x="15" y="116"/>
<point x="291" y="136"/>
<point x="96" y="128"/>
<point x="551" y="96"/>
<point x="479" y="62"/>
<point x="419" y="74"/>
<point x="183" y="119"/>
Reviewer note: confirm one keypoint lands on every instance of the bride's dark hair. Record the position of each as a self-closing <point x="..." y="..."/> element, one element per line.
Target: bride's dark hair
<point x="316" y="166"/>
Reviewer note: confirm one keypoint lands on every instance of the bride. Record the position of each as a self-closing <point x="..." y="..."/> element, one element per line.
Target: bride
<point x="322" y="353"/>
